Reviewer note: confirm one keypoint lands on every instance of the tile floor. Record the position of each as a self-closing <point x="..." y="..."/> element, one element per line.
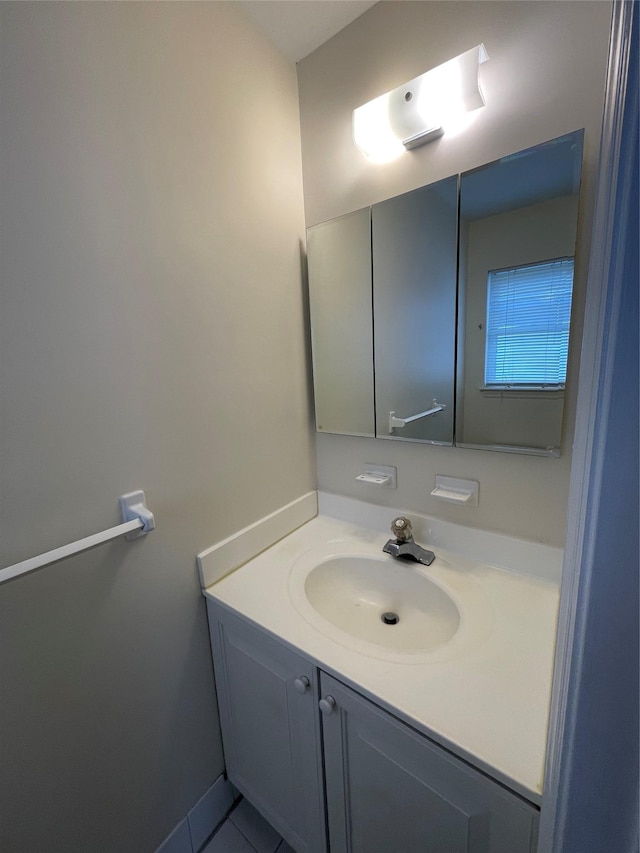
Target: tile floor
<point x="246" y="831"/>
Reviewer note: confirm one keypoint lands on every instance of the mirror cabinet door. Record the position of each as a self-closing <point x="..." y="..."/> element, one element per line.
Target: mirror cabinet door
<point x="414" y="309"/>
<point x="339" y="262"/>
<point x="518" y="220"/>
<point x="493" y="252"/>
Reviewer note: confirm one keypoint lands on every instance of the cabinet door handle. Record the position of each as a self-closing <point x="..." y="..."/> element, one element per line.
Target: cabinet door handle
<point x="327" y="705"/>
<point x="301" y="684"/>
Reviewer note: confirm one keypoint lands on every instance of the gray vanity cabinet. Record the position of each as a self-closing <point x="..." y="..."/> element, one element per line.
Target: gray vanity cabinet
<point x="295" y="737"/>
<point x="268" y="704"/>
<point x="390" y="790"/>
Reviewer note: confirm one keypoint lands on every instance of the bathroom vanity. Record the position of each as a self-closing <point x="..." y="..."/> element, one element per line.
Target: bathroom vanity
<point x="350" y="735"/>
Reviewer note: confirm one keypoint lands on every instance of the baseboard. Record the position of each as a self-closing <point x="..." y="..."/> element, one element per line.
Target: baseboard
<point x="208" y="813"/>
<point x="178" y="841"/>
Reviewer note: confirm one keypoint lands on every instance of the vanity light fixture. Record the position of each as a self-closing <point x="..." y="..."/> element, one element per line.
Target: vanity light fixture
<point x="420" y="110"/>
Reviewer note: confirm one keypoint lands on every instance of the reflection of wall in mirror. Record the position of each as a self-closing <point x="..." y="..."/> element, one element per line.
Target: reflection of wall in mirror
<point x="339" y="258"/>
<point x="535" y="233"/>
<point x="414" y="295"/>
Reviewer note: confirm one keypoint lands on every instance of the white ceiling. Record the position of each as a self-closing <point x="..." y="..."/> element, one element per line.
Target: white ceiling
<point x="298" y="27"/>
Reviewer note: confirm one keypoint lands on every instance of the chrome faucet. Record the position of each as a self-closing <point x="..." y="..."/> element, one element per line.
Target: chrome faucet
<point x="404" y="546"/>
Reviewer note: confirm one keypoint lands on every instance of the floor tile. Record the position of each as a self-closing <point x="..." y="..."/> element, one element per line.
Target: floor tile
<point x="228" y="839"/>
<point x="254" y="827"/>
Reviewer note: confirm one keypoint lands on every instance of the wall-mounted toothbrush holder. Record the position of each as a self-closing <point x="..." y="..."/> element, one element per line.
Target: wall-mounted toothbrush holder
<point x="379" y="475"/>
<point x="456" y="491"/>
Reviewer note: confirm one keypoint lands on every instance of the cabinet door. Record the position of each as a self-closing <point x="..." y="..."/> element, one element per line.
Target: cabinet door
<point x="391" y="790"/>
<point x="414" y="239"/>
<point x="339" y="259"/>
<point x="270" y="730"/>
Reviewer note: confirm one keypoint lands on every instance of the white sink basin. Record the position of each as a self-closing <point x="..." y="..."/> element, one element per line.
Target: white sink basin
<point x="383" y="601"/>
<point x="344" y="586"/>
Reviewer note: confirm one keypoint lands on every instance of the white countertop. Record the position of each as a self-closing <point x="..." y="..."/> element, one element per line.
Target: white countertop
<point x="485" y="697"/>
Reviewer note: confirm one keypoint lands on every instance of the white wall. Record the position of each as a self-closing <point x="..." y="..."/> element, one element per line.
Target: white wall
<point x="152" y="337"/>
<point x="545" y="78"/>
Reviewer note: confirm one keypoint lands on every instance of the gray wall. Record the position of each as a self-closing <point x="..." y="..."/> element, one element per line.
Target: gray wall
<point x="544" y="78"/>
<point x="152" y="337"/>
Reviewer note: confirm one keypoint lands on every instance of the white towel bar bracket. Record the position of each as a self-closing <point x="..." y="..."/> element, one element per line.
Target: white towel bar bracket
<point x="132" y="506"/>
<point x="137" y="520"/>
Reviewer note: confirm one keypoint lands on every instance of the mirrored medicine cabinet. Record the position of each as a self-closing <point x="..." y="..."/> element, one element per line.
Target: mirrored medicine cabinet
<point x="442" y="315"/>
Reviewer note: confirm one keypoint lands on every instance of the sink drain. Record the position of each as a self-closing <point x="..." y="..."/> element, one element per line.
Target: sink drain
<point x="390" y="618"/>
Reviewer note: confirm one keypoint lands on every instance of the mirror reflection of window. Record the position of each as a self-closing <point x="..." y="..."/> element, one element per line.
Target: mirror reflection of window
<point x="518" y="222"/>
<point x="528" y="316"/>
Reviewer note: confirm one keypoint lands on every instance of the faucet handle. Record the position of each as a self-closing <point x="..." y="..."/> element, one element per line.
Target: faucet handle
<point x="401" y="529"/>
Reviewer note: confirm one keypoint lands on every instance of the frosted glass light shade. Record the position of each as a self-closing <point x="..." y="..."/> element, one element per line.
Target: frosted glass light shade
<point x="421" y="109"/>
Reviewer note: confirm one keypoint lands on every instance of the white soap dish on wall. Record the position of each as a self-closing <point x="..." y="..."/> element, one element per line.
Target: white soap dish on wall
<point x="456" y="491"/>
